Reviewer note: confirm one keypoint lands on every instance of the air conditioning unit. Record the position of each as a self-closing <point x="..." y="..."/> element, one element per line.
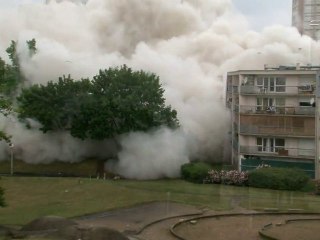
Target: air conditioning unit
<point x="305" y="88"/>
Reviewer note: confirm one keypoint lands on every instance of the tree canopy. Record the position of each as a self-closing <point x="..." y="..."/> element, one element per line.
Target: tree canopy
<point x="54" y="105"/>
<point x="115" y="101"/>
<point x="10" y="78"/>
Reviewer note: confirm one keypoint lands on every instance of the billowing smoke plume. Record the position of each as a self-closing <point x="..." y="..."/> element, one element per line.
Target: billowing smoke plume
<point x="190" y="44"/>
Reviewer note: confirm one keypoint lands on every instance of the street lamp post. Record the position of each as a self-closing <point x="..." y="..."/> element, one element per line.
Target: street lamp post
<point x="11" y="158"/>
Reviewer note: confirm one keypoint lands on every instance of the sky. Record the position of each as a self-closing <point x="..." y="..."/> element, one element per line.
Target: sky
<point x="260" y="13"/>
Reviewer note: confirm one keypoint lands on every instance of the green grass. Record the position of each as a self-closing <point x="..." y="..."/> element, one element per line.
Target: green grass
<point x="32" y="197"/>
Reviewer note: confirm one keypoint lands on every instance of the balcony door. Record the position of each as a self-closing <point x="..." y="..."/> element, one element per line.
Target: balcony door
<point x="270" y="104"/>
<point x="270" y="145"/>
<point x="271" y="84"/>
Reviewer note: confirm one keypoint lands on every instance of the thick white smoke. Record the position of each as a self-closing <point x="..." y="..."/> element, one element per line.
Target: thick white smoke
<point x="156" y="154"/>
<point x="190" y="44"/>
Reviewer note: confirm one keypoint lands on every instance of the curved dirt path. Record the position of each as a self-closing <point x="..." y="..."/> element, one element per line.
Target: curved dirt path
<point x="153" y="221"/>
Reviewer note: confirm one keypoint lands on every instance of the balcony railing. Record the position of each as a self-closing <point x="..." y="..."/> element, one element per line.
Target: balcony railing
<point x="277" y="130"/>
<point x="307" y="111"/>
<point x="303" y="90"/>
<point x="277" y="151"/>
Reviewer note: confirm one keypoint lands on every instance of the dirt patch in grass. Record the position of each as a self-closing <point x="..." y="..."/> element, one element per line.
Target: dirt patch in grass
<point x="53" y="227"/>
<point x="153" y="221"/>
<point x="296" y="230"/>
<point x="48" y="223"/>
<point x="163" y="215"/>
<point x="132" y="220"/>
<point x="236" y="227"/>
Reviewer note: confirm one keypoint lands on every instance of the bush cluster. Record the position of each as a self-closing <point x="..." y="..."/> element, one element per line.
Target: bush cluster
<point x="195" y="172"/>
<point x="278" y="178"/>
<point x="263" y="176"/>
<point x="232" y="177"/>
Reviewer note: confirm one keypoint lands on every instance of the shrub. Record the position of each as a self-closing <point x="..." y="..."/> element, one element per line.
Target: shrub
<point x="278" y="178"/>
<point x="195" y="172"/>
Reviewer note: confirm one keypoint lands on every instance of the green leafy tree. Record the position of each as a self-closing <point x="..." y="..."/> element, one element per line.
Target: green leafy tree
<point x="13" y="75"/>
<point x="116" y="101"/>
<point x="54" y="105"/>
<point x="7" y="80"/>
<point x="32" y="47"/>
<point x="9" y="77"/>
<point x="123" y="100"/>
<point x="13" y="55"/>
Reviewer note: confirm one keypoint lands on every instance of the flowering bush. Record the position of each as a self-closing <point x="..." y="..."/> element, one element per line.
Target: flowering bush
<point x="213" y="177"/>
<point x="232" y="177"/>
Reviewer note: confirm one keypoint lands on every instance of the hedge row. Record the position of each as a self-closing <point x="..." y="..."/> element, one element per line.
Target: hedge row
<point x="195" y="172"/>
<point x="278" y="178"/>
<point x="263" y="177"/>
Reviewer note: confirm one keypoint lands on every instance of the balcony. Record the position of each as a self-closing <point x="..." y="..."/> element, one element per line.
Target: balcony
<point x="277" y="130"/>
<point x="277" y="90"/>
<point x="277" y="152"/>
<point x="300" y="111"/>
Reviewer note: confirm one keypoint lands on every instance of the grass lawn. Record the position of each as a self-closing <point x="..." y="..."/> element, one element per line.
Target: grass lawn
<point x="32" y="197"/>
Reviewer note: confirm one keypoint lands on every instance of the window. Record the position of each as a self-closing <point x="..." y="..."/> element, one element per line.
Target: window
<point x="280" y="84"/>
<point x="270" y="104"/>
<point x="271" y="84"/>
<point x="270" y="145"/>
<point x="306" y="102"/>
<point x="248" y="80"/>
<point x="279" y="144"/>
<point x="264" y="103"/>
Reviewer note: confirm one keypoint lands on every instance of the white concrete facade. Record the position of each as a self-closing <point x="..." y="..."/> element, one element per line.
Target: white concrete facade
<point x="275" y="117"/>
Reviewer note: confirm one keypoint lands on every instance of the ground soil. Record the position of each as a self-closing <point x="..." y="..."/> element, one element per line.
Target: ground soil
<point x="302" y="230"/>
<point x="134" y="222"/>
<point x="153" y="221"/>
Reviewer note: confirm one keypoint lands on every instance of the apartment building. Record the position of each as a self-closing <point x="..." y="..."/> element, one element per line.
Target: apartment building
<point x="275" y="118"/>
<point x="306" y="17"/>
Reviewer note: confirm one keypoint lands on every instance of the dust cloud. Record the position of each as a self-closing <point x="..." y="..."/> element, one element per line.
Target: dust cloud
<point x="190" y="44"/>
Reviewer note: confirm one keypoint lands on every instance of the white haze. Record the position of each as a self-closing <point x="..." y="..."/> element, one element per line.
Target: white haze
<point x="190" y="44"/>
